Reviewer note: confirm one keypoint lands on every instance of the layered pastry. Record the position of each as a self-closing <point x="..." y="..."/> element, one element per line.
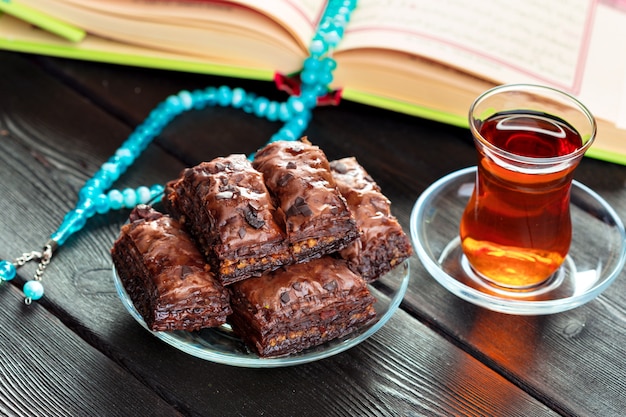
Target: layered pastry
<point x="382" y="244"/>
<point x="227" y="208"/>
<point x="299" y="306"/>
<point x="317" y="219"/>
<point x="166" y="276"/>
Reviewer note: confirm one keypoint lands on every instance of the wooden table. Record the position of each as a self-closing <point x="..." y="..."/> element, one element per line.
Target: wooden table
<point x="78" y="352"/>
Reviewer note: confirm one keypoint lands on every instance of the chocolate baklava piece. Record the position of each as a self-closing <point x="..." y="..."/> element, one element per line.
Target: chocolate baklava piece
<point x="165" y="275"/>
<point x="226" y="207"/>
<point x="300" y="306"/>
<point x="382" y="244"/>
<point x="317" y="219"/>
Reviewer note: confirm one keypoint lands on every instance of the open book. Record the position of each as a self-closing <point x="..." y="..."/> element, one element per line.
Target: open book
<point x="426" y="58"/>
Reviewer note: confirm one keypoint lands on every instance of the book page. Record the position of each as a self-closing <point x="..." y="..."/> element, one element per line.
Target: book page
<point x="298" y="17"/>
<point x="222" y="31"/>
<point x="499" y="40"/>
<point x="18" y="35"/>
<point x="604" y="85"/>
<point x="301" y="16"/>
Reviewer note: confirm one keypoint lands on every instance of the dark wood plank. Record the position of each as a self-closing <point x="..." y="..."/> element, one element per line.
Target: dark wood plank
<point x="45" y="369"/>
<point x="405" y="155"/>
<point x="55" y="142"/>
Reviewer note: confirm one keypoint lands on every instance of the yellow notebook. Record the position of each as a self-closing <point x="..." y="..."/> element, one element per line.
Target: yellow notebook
<point x="425" y="58"/>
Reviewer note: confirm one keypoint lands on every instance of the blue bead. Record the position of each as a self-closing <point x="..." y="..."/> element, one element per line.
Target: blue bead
<point x="72" y="222"/>
<point x="143" y="195"/>
<point x="239" y="97"/>
<point x="7" y="271"/>
<point x="125" y="156"/>
<point x="296" y="126"/>
<point x="284" y="113"/>
<point x="186" y="99"/>
<point x="272" y="111"/>
<point x="325" y="77"/>
<point x="309" y="97"/>
<point x="88" y="192"/>
<point x="104" y="177"/>
<point x="296" y="104"/>
<point x="332" y="38"/>
<point x="311" y="64"/>
<point x="117" y="161"/>
<point x="317" y="47"/>
<point x="88" y="206"/>
<point x="143" y="135"/>
<point x="102" y="204"/>
<point x="121" y="168"/>
<point x="210" y="95"/>
<point x="156" y="190"/>
<point x="248" y="104"/>
<point x="94" y="183"/>
<point x="112" y="169"/>
<point x="151" y="129"/>
<point x="174" y="105"/>
<point x="134" y="143"/>
<point x="79" y="220"/>
<point x="308" y="77"/>
<point x="321" y="90"/>
<point x="129" y="197"/>
<point x="329" y="63"/>
<point x="346" y="9"/>
<point x="33" y="290"/>
<point x="160" y="115"/>
<point x="116" y="199"/>
<point x="324" y="24"/>
<point x="224" y="96"/>
<point x="131" y="145"/>
<point x="340" y="20"/>
<point x="287" y="134"/>
<point x="156" y="193"/>
<point x="199" y="99"/>
<point x="260" y="106"/>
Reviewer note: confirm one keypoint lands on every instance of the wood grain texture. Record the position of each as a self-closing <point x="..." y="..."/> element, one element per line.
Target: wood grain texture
<point x="45" y="369"/>
<point x="405" y="155"/>
<point x="435" y="361"/>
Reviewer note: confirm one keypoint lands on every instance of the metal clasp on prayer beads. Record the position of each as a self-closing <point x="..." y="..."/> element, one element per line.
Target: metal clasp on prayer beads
<point x="26" y="257"/>
<point x="42" y="257"/>
<point x="44" y="260"/>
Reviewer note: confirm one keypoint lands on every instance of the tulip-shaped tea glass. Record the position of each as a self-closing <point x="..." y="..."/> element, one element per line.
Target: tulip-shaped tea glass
<point x="516" y="229"/>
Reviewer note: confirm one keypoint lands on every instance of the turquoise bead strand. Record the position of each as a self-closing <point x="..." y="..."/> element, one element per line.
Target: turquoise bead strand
<point x="7" y="271"/>
<point x="93" y="197"/>
<point x="97" y="197"/>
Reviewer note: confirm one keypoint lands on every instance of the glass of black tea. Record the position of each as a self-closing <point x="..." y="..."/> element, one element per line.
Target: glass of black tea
<point x="516" y="229"/>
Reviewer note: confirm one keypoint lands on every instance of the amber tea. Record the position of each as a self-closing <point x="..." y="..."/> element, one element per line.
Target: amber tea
<point x="516" y="228"/>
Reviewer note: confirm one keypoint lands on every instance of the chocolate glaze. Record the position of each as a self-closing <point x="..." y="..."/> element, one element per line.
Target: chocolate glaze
<point x="299" y="306"/>
<point x="166" y="276"/>
<point x="312" y="209"/>
<point x="297" y="174"/>
<point x="382" y="244"/>
<point x="227" y="208"/>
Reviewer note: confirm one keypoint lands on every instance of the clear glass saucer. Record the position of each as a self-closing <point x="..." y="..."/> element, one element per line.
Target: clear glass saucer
<point x="221" y="345"/>
<point x="597" y="254"/>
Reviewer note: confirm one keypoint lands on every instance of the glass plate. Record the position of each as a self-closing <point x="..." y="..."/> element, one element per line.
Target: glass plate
<point x="596" y="256"/>
<point x="221" y="345"/>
